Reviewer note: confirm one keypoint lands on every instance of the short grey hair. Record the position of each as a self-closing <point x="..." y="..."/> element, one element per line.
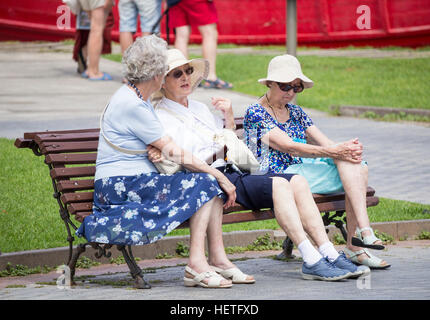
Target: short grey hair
<point x="145" y="59"/>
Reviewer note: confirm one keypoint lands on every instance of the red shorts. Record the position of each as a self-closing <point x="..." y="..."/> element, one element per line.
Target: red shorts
<point x="192" y="13"/>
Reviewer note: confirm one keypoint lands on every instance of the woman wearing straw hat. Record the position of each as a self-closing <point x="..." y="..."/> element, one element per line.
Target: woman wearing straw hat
<point x="328" y="167"/>
<point x="193" y="126"/>
<point x="133" y="203"/>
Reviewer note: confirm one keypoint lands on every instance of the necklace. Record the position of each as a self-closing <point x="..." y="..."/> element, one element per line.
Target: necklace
<point x="268" y="102"/>
<point x="137" y="90"/>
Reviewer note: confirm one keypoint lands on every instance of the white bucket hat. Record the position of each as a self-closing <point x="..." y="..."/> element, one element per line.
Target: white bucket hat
<point x="286" y="68"/>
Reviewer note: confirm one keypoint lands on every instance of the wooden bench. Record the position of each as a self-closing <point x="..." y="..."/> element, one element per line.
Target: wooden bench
<point x="71" y="157"/>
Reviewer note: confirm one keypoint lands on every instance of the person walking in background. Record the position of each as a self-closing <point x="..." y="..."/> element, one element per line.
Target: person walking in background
<point x="203" y="15"/>
<point x="83" y="25"/>
<point x="129" y="10"/>
<point x="98" y="10"/>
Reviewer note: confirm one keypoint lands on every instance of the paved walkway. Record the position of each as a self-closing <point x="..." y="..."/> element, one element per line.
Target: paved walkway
<point x="42" y="91"/>
<point x="407" y="279"/>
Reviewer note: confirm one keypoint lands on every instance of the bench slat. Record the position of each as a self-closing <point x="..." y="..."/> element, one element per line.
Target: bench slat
<point x="80" y="216"/>
<point x="74" y="208"/>
<point x="62" y="173"/>
<point x="32" y="135"/>
<point x="23" y="143"/>
<point x="54" y="137"/>
<point x="71" y="158"/>
<point x="81" y="210"/>
<point x="72" y="197"/>
<point x="338" y="196"/>
<point x="63" y="147"/>
<point x="340" y="205"/>
<point x="75" y="185"/>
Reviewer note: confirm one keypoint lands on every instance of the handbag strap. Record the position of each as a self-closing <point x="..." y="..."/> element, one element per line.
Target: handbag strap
<point x="118" y="148"/>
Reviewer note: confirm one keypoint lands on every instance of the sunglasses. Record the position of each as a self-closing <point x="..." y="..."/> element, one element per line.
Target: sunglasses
<point x="286" y="87"/>
<point x="178" y="73"/>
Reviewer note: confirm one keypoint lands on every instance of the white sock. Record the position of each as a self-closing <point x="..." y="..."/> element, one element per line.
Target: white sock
<point x="328" y="250"/>
<point x="309" y="254"/>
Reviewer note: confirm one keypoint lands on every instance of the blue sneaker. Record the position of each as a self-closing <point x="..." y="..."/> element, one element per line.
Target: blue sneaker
<point x="324" y="270"/>
<point x="343" y="262"/>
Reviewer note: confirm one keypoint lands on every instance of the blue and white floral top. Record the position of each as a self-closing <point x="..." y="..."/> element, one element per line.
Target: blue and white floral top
<point x="258" y="122"/>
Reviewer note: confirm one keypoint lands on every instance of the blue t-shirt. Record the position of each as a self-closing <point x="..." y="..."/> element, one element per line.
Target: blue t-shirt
<point x="257" y="122"/>
<point x="130" y="123"/>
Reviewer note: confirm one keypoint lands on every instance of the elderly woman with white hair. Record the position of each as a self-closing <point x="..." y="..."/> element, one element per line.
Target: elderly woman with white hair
<point x="278" y="133"/>
<point x="133" y="203"/>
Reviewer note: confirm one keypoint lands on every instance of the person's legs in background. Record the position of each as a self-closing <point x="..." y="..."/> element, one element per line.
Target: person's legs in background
<point x="95" y="42"/>
<point x="150" y="12"/>
<point x="203" y="15"/>
<point x="209" y="34"/>
<point x="97" y="17"/>
<point x="182" y="37"/>
<point x="127" y="23"/>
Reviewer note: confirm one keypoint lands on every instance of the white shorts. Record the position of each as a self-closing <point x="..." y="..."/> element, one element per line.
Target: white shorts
<point x="89" y="5"/>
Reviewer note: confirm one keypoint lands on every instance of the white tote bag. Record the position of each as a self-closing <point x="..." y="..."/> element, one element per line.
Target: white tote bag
<point x="237" y="151"/>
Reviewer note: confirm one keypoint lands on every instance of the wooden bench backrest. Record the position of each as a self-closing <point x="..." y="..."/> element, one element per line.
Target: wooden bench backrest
<point x="71" y="156"/>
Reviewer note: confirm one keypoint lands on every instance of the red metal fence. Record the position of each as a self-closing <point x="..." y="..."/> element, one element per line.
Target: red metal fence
<point x="324" y="23"/>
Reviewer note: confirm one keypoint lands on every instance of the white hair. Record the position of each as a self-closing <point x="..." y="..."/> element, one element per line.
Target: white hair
<point x="145" y="59"/>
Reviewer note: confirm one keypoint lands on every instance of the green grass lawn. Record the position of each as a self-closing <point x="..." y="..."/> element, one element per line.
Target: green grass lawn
<point x="383" y="82"/>
<point x="29" y="217"/>
<point x="401" y="83"/>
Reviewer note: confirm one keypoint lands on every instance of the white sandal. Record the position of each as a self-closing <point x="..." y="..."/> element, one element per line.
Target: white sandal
<point x="234" y="274"/>
<point x="214" y="279"/>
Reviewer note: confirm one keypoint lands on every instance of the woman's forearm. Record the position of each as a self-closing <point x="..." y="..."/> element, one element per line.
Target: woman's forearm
<point x="296" y="149"/>
<point x="349" y="150"/>
<point x="229" y="121"/>
<point x="174" y="153"/>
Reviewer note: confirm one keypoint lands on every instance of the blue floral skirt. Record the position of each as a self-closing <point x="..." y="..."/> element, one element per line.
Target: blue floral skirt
<point x="137" y="210"/>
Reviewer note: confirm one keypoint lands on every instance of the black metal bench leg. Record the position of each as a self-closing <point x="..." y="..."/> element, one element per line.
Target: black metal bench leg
<point x="287" y="252"/>
<point x="135" y="271"/>
<point x="72" y="264"/>
<point x="340" y="226"/>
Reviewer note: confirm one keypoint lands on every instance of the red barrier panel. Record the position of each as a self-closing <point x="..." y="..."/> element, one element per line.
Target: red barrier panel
<point x="324" y="23"/>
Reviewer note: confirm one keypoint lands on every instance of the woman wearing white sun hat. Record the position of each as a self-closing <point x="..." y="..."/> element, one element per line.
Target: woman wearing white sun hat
<point x="328" y="166"/>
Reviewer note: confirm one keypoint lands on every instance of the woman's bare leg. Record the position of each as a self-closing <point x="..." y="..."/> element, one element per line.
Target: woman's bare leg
<point x="217" y="255"/>
<point x="182" y="37"/>
<point x="308" y="210"/>
<point x="286" y="212"/>
<point x="198" y="225"/>
<point x="354" y="179"/>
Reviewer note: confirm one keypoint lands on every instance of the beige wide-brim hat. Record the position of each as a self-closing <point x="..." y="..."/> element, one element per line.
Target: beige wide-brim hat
<point x="286" y="68"/>
<point x="175" y="58"/>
